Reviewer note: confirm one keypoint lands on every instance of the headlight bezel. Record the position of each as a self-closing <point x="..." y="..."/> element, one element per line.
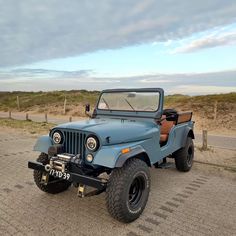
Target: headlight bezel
<point x="59" y="135"/>
<point x="94" y="139"/>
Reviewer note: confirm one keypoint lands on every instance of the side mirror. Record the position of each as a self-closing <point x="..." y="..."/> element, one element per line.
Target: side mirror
<point x="172" y="117"/>
<point x="87" y="108"/>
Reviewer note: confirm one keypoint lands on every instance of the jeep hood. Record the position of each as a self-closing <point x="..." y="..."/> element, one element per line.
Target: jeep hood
<point x="115" y="130"/>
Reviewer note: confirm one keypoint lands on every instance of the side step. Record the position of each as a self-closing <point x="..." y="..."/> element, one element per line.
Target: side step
<point x="164" y="164"/>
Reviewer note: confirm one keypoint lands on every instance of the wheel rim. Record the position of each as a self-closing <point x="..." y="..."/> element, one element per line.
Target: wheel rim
<point x="190" y="156"/>
<point x="136" y="191"/>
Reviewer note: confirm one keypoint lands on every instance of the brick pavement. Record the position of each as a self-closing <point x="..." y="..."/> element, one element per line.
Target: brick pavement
<point x="179" y="203"/>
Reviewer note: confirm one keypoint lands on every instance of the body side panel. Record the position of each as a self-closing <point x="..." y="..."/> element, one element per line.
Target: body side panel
<point x="177" y="138"/>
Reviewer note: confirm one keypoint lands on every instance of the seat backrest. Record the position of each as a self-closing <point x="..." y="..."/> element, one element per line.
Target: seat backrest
<point x="166" y="125"/>
<point x="184" y="117"/>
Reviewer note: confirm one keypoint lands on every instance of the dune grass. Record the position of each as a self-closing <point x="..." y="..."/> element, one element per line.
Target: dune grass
<point x="30" y="100"/>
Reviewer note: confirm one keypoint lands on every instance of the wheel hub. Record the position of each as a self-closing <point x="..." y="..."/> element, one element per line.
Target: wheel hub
<point x="136" y="190"/>
<point x="190" y="155"/>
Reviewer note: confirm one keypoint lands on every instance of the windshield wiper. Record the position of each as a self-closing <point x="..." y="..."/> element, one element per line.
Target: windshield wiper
<point x="129" y="104"/>
<point x="106" y="103"/>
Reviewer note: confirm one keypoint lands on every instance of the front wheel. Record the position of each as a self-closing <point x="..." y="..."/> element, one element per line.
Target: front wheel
<point x="184" y="156"/>
<point x="128" y="190"/>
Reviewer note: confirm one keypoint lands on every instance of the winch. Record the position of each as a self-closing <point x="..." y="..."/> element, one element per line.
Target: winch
<point x="61" y="162"/>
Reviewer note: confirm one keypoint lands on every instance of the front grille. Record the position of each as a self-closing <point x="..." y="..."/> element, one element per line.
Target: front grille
<point x="74" y="142"/>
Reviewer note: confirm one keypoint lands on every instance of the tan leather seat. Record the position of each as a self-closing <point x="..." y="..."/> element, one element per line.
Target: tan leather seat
<point x="184" y="117"/>
<point x="165" y="129"/>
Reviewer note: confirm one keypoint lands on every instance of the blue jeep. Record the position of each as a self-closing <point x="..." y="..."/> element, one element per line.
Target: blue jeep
<point x="128" y="132"/>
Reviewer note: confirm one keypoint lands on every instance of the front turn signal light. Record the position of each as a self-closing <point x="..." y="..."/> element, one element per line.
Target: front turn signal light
<point x="125" y="150"/>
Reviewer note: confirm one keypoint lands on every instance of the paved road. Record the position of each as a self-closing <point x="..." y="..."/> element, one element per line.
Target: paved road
<point x="226" y="142"/>
<point x="213" y="140"/>
<point x="179" y="203"/>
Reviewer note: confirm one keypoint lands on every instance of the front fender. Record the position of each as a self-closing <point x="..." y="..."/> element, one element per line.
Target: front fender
<point x="133" y="152"/>
<point x="43" y="143"/>
<point x="111" y="156"/>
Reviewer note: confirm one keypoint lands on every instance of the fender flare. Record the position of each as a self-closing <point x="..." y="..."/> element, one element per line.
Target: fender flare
<point x="135" y="151"/>
<point x="187" y="133"/>
<point x="43" y="143"/>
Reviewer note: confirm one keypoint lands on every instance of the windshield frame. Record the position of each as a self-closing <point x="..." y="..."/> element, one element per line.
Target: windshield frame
<point x="132" y="113"/>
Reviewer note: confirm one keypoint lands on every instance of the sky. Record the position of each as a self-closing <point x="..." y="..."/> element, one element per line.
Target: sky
<point x="186" y="47"/>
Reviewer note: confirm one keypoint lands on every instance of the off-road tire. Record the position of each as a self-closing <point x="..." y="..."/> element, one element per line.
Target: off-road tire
<point x="184" y="156"/>
<point x="52" y="188"/>
<point x="119" y="200"/>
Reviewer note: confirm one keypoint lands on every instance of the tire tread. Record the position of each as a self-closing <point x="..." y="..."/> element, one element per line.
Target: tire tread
<point x="180" y="156"/>
<point x="116" y="186"/>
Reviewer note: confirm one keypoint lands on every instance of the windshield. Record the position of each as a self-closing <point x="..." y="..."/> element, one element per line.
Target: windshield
<point x="129" y="101"/>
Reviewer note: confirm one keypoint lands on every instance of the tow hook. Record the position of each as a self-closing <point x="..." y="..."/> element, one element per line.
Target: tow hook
<point x="44" y="178"/>
<point x="81" y="191"/>
<point x="47" y="167"/>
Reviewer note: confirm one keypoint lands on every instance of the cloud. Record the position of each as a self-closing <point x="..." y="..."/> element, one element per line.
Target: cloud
<point x="154" y="81"/>
<point x="43" y="73"/>
<point x="210" y="41"/>
<point x="201" y="89"/>
<point x="41" y="30"/>
<point x="46" y="80"/>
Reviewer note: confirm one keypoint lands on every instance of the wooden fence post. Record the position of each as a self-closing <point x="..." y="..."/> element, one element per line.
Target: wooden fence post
<point x="215" y="110"/>
<point x="70" y="119"/>
<point x="9" y="115"/>
<point x="46" y="117"/>
<point x="204" y="140"/>
<point x="18" y="102"/>
<point x="27" y="116"/>
<point x="64" y="110"/>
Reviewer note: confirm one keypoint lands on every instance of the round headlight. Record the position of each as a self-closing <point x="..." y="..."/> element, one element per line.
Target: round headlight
<point x="57" y="137"/>
<point x="92" y="144"/>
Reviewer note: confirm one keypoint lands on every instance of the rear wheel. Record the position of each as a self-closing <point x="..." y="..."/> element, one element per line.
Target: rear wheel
<point x="184" y="156"/>
<point x="53" y="185"/>
<point x="128" y="190"/>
